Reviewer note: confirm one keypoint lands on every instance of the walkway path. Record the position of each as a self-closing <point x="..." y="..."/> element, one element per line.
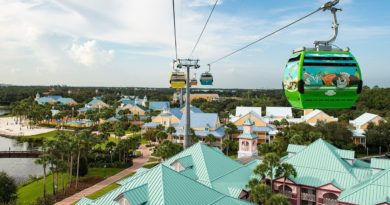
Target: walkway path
<point x="137" y="163"/>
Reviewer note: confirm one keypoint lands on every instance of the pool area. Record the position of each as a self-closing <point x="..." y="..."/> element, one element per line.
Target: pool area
<point x="79" y="122"/>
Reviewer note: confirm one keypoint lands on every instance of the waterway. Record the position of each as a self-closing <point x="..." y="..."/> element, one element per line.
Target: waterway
<point x="4" y="110"/>
<point x="18" y="168"/>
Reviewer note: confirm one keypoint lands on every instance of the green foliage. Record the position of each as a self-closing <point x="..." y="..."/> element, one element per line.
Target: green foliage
<point x="271" y="161"/>
<point x="149" y="166"/>
<point x="167" y="149"/>
<point x="260" y="193"/>
<point x="161" y="136"/>
<point x="210" y="139"/>
<point x="83" y="168"/>
<point x="7" y="188"/>
<point x="378" y="137"/>
<point x="278" y="199"/>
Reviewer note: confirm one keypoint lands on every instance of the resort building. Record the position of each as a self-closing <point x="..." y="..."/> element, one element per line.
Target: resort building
<point x="134" y="100"/>
<point x="159" y="105"/>
<point x="312" y="117"/>
<point x="199" y="175"/>
<point x="328" y="175"/>
<point x="278" y="113"/>
<point x="205" y="96"/>
<point x="97" y="103"/>
<point x="203" y="124"/>
<point x="135" y="109"/>
<point x="247" y="142"/>
<point x="167" y="118"/>
<point x="94" y="104"/>
<point x="54" y="99"/>
<point x="264" y="131"/>
<point x="360" y="126"/>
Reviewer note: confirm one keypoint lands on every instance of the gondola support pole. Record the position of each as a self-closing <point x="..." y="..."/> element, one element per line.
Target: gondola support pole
<point x="188" y="64"/>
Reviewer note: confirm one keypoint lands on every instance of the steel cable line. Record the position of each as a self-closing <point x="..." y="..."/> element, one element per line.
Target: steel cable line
<point x="204" y="27"/>
<point x="174" y="26"/>
<point x="268" y="35"/>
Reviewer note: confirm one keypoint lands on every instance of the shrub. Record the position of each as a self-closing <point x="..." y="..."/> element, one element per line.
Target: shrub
<point x="7" y="188"/>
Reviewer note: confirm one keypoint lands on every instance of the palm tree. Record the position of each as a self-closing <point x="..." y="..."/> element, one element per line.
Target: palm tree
<point x="278" y="199"/>
<point x="260" y="193"/>
<point x="44" y="161"/>
<point x="286" y="170"/>
<point x="230" y="129"/>
<point x="210" y="139"/>
<point x="82" y="140"/>
<point x="226" y="145"/>
<point x="161" y="136"/>
<point x="270" y="162"/>
<point x="170" y="131"/>
<point x="119" y="130"/>
<point x="110" y="148"/>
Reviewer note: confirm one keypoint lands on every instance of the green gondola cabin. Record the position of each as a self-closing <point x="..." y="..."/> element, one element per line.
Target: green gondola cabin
<point x="322" y="79"/>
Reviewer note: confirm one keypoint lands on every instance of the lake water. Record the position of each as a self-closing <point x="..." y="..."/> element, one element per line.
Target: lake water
<point x="18" y="168"/>
<point x="4" y="110"/>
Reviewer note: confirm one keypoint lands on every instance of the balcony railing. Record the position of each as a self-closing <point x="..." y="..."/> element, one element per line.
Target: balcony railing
<point x="308" y="197"/>
<point x="328" y="201"/>
<point x="288" y="194"/>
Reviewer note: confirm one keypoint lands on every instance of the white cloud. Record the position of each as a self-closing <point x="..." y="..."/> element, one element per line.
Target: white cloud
<point x="90" y="54"/>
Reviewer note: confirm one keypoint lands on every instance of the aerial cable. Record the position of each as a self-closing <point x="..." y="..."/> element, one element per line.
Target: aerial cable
<point x="326" y="6"/>
<point x="204" y="27"/>
<point x="174" y="27"/>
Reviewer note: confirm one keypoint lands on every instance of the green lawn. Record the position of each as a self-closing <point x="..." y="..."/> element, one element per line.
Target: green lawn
<point x="153" y="159"/>
<point x="39" y="137"/>
<point x="103" y="191"/>
<point x="149" y="166"/>
<point x="32" y="191"/>
<point x="144" y="141"/>
<point x="102" y="172"/>
<point x="106" y="189"/>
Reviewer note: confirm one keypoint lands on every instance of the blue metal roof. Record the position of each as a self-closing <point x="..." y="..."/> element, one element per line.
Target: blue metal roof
<point x="258" y="128"/>
<point x="65" y="101"/>
<point x="55" y="98"/>
<point x="176" y="112"/>
<point x="94" y="102"/>
<point x="150" y="125"/>
<point x="159" y="105"/>
<point x="201" y="120"/>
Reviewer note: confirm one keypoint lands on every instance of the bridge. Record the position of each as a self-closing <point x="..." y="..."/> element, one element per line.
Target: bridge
<point x="20" y="154"/>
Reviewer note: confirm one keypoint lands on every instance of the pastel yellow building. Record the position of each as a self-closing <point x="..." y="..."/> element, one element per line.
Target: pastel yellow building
<point x="205" y="96"/>
<point x="313" y="116"/>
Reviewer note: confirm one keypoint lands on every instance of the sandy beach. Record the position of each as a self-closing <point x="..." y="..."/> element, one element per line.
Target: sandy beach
<point x="9" y="127"/>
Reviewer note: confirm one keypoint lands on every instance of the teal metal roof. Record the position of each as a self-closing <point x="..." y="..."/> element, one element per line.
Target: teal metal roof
<point x="295" y="148"/>
<point x="208" y="164"/>
<point x="85" y="201"/>
<point x="137" y="196"/>
<point x="209" y="177"/>
<point x="162" y="185"/>
<point x="212" y="168"/>
<point x="185" y="161"/>
<point x="374" y="190"/>
<point x="248" y="136"/>
<point x="377" y="163"/>
<point x="321" y="163"/>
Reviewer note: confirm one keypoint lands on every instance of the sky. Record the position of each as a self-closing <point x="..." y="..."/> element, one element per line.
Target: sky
<point x="130" y="43"/>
